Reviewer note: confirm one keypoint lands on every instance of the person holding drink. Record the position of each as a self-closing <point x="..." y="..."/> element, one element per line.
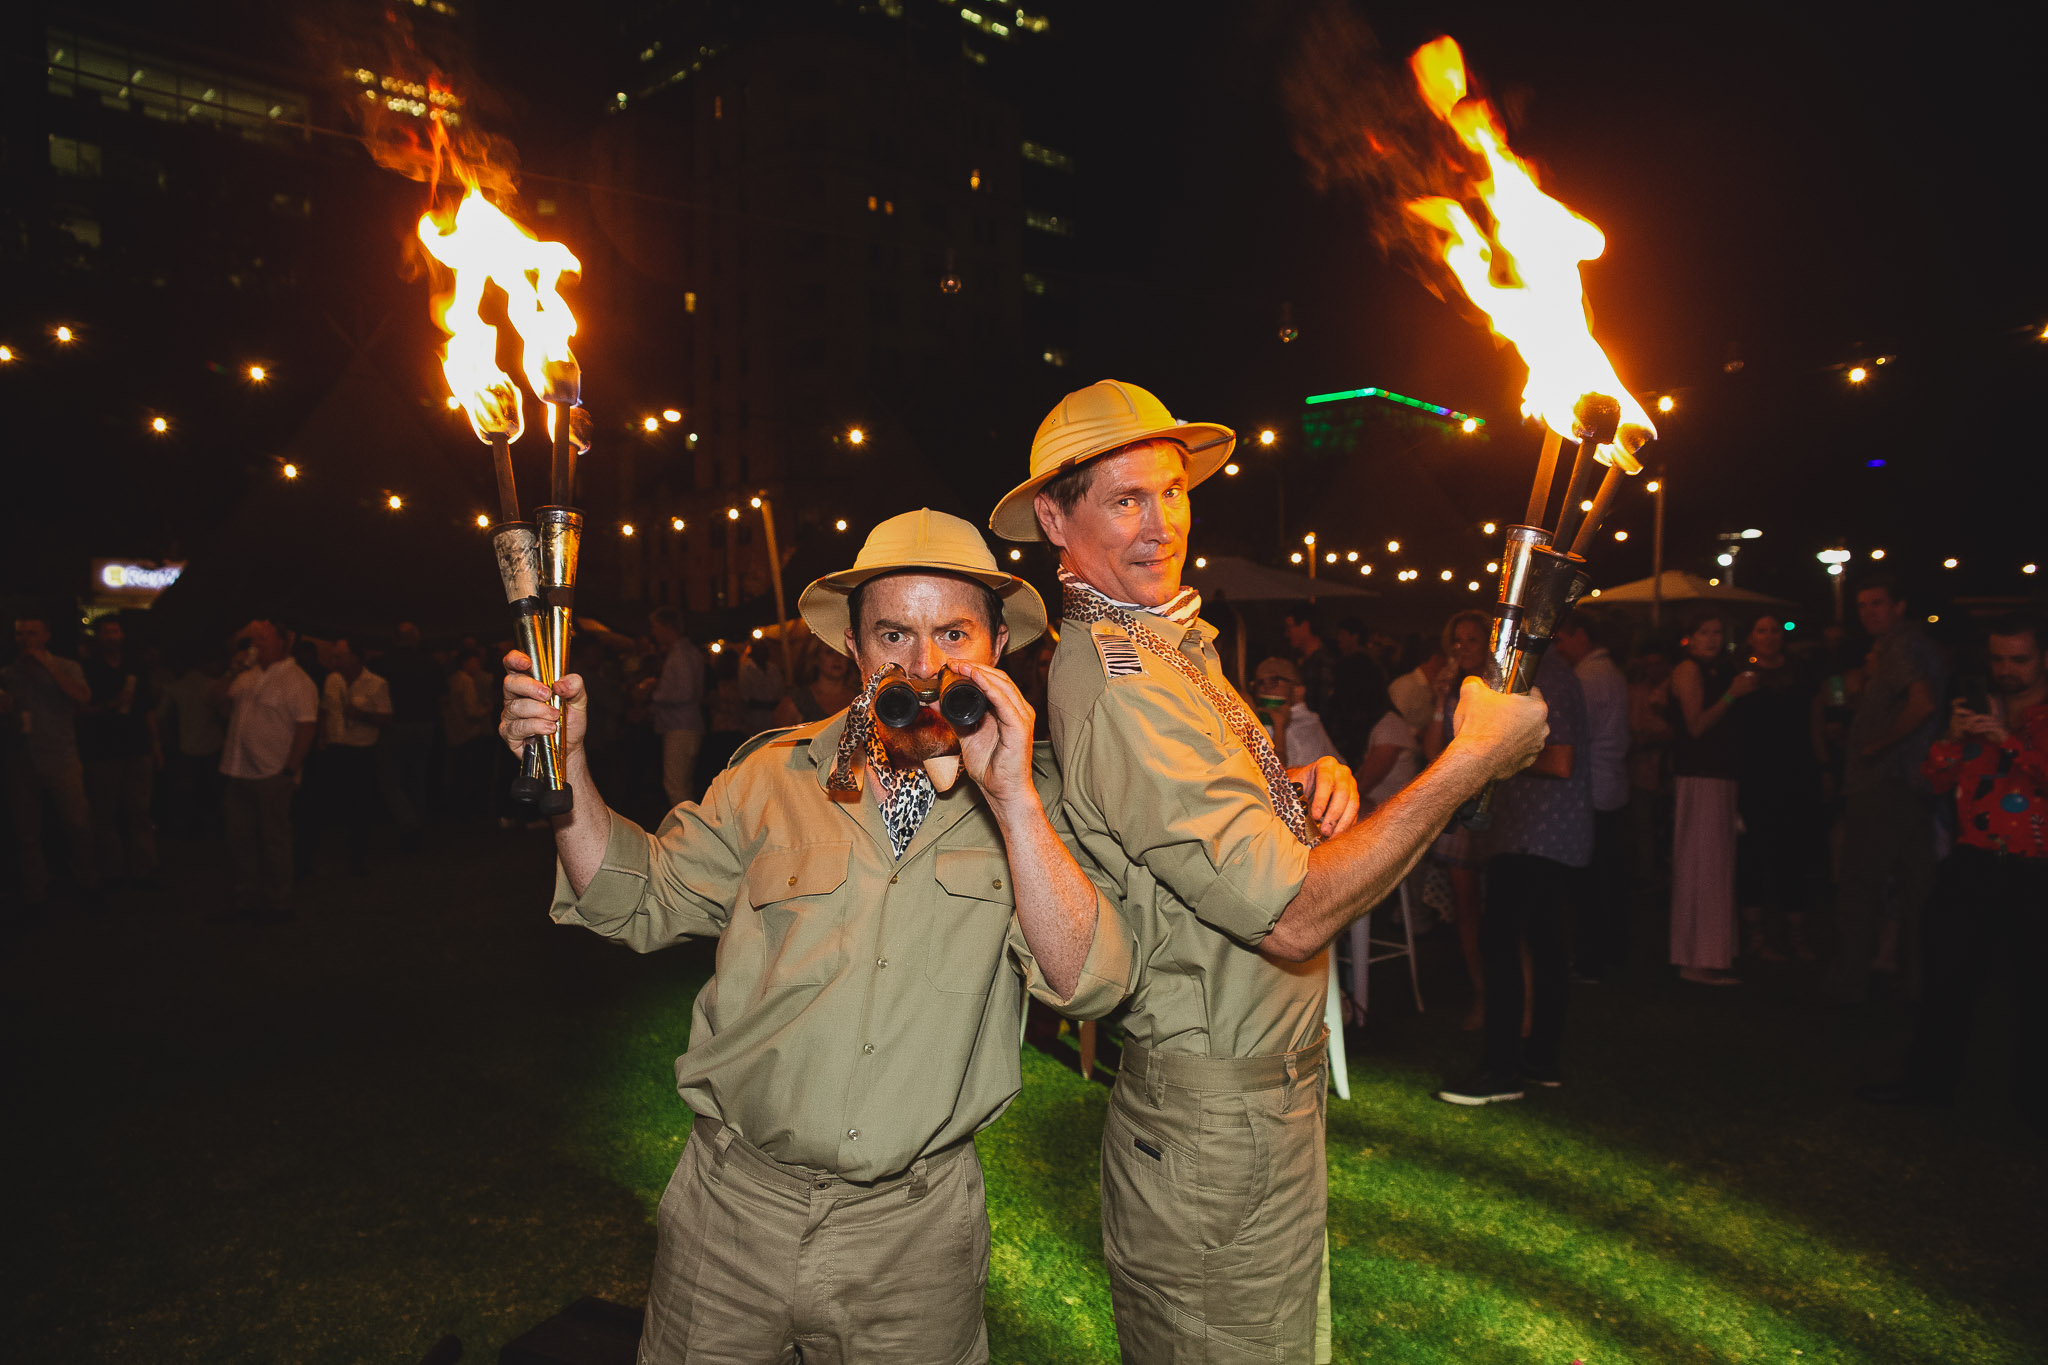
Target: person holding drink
<point x="1706" y="685"/>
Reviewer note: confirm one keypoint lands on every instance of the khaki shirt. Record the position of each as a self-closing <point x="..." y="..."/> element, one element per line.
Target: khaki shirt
<point x="1175" y="809"/>
<point x="865" y="1009"/>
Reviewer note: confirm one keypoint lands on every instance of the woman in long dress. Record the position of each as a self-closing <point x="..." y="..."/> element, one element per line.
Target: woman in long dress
<point x="1706" y="685"/>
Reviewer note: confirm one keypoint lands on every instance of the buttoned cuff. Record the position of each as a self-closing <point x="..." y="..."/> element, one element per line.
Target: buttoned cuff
<point x="1107" y="976"/>
<point x="617" y="892"/>
<point x="1254" y="888"/>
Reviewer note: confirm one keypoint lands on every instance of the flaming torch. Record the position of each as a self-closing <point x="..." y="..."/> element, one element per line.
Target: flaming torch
<point x="1524" y="275"/>
<point x="536" y="559"/>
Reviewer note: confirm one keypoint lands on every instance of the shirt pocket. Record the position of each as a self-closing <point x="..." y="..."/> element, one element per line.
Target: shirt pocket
<point x="795" y="892"/>
<point x="970" y="924"/>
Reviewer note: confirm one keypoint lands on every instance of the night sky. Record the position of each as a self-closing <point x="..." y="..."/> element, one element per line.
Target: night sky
<point x="1794" y="191"/>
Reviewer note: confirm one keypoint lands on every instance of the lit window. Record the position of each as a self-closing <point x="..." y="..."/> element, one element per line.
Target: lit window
<point x="1046" y="156"/>
<point x="690" y="302"/>
<point x="68" y="156"/>
<point x="1033" y="284"/>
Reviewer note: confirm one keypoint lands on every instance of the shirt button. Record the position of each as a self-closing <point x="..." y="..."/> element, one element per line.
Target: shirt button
<point x="997" y="883"/>
<point x="881" y="962"/>
<point x="892" y="881"/>
<point x="867" y="1048"/>
<point x="792" y="881"/>
<point x="853" y="1135"/>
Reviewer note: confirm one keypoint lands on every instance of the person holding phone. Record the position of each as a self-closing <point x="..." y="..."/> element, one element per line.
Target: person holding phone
<point x="1989" y="916"/>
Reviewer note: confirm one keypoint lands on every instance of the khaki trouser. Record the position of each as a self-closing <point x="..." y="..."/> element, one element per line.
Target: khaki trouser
<point x="679" y="764"/>
<point x="763" y="1262"/>
<point x="1214" y="1198"/>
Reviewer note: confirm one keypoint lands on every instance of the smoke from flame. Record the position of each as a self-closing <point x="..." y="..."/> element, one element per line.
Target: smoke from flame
<point x="1447" y="194"/>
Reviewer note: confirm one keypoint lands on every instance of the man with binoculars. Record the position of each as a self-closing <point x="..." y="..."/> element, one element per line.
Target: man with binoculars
<point x="877" y="923"/>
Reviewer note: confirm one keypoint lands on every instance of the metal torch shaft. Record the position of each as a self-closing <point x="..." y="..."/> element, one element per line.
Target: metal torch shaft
<point x="1546" y="474"/>
<point x="563" y="465"/>
<point x="1610" y="484"/>
<point x="501" y="464"/>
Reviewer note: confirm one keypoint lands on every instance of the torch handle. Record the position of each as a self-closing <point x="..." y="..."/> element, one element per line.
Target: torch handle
<point x="563" y="466"/>
<point x="1610" y="484"/>
<point x="1546" y="474"/>
<point x="501" y="463"/>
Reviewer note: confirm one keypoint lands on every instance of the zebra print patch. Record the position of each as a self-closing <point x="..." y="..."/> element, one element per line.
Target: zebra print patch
<point x="1119" y="656"/>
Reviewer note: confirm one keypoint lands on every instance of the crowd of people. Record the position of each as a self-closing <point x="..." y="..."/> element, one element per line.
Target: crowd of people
<point x="1851" y="797"/>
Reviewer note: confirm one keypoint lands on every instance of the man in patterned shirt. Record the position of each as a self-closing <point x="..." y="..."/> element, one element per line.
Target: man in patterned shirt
<point x="1990" y="909"/>
<point x="1235" y="875"/>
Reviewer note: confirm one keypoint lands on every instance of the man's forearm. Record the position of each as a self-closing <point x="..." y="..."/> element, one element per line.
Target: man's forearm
<point x="582" y="834"/>
<point x="1055" y="899"/>
<point x="1355" y="871"/>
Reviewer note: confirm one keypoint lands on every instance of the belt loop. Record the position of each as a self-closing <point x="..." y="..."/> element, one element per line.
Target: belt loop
<point x="1293" y="1067"/>
<point x="919" y="1185"/>
<point x="723" y="1139"/>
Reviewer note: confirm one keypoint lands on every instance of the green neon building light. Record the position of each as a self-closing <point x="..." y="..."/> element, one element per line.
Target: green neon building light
<point x="1393" y="397"/>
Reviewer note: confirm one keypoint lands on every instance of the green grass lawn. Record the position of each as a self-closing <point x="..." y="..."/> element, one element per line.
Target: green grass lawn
<point x="422" y="1109"/>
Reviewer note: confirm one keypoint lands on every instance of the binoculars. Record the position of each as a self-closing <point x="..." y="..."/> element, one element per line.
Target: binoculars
<point x="898" y="700"/>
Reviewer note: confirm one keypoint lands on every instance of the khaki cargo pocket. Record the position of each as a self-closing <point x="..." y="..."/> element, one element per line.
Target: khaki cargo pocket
<point x="1254" y="1285"/>
<point x="1149" y="1230"/>
<point x="963" y="941"/>
<point x="801" y="920"/>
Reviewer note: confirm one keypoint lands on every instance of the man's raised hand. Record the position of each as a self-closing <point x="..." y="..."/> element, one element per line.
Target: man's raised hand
<point x="1504" y="730"/>
<point x="997" y="752"/>
<point x="527" y="712"/>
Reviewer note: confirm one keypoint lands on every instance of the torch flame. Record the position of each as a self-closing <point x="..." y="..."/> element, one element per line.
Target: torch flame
<point x="480" y="243"/>
<point x="1525" y="278"/>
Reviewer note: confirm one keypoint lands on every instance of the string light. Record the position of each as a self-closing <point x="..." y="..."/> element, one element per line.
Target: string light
<point x="650" y="424"/>
<point x="1586" y="505"/>
<point x="1666" y="403"/>
<point x="291" y="471"/>
<point x="6" y="355"/>
<point x="1200" y="562"/>
<point x="757" y="633"/>
<point x="732" y="514"/>
<point x="840" y="525"/>
<point x="2029" y="568"/>
<point x="394" y="502"/>
<point x="483" y="519"/>
<point x="675" y="523"/>
<point x="1352" y="556"/>
<point x="626" y="528"/>
<point x="1621" y="535"/>
<point x="671" y="415"/>
<point x="754" y="502"/>
<point x="1950" y="563"/>
<point x="1932" y="619"/>
<point x="64" y="335"/>
<point x="1446" y="575"/>
<point x="1472" y="585"/>
<point x="1469" y="425"/>
<point x="718" y="647"/>
<point x="1268" y="436"/>
<point x="1877" y="554"/>
<point x="1330" y="558"/>
<point x="1294" y="558"/>
<point x="1488" y="529"/>
<point x="159" y="425"/>
<point x="1309" y="539"/>
<point x="1019" y="554"/>
<point x="1230" y="468"/>
<point x="257" y="374"/>
<point x="1393" y="547"/>
<point x="1365" y="568"/>
<point x="1652" y="486"/>
<point x="1857" y="374"/>
<point x="855" y="436"/>
<point x="1493" y="566"/>
<point x="451" y="402"/>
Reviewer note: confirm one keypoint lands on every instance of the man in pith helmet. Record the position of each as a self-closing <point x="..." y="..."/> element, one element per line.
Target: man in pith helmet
<point x="876" y="931"/>
<point x="1235" y="874"/>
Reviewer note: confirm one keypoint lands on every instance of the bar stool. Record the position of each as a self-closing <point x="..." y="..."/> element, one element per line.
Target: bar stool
<point x="1366" y="950"/>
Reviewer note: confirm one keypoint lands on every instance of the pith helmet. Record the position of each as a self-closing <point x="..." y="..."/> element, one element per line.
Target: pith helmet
<point x="1095" y="421"/>
<point x="933" y="541"/>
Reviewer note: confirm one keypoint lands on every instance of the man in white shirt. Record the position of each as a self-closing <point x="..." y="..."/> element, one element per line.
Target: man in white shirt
<point x="270" y="730"/>
<point x="1282" y="697"/>
<point x="355" y="706"/>
<point x="1603" y="929"/>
